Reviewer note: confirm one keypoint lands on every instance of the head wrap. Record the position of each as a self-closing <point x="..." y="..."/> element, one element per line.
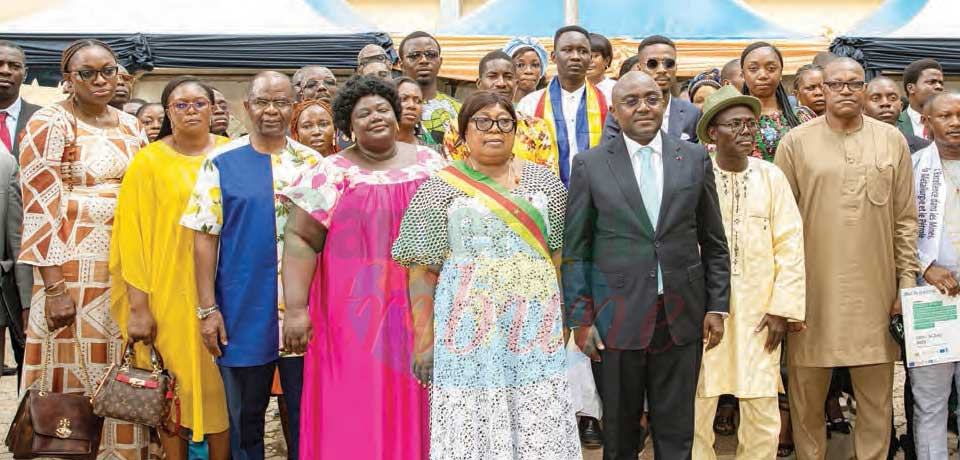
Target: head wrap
<point x="299" y="109"/>
<point x="522" y="43"/>
<point x="710" y="78"/>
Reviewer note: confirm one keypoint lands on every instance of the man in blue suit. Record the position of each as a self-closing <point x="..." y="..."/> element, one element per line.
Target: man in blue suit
<point x="658" y="58"/>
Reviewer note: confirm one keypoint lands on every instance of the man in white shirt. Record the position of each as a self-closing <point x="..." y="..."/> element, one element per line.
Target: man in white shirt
<point x="921" y="79"/>
<point x="646" y="272"/>
<point x="578" y="124"/>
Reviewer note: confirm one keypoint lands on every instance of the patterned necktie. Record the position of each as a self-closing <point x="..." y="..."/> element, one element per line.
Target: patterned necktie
<point x="651" y="190"/>
<point x="5" y="133"/>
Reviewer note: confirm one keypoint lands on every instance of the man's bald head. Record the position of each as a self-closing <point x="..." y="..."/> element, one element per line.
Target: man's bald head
<point x="268" y="80"/>
<point x="638" y="105"/>
<point x="941" y="117"/>
<point x="841" y="64"/>
<point x="732" y="74"/>
<point x="314" y="82"/>
<point x="937" y="101"/>
<point x="369" y="53"/>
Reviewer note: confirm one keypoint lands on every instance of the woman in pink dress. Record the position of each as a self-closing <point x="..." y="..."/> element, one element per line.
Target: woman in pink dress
<point x="347" y="304"/>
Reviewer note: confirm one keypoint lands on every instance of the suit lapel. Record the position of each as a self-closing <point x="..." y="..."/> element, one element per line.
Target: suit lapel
<point x="672" y="165"/>
<point x="905" y="124"/>
<point x="26" y="111"/>
<point x="622" y="170"/>
<point x="676" y="114"/>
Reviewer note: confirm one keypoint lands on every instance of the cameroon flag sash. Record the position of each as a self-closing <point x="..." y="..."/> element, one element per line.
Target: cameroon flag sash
<point x="519" y="215"/>
<point x="591" y="113"/>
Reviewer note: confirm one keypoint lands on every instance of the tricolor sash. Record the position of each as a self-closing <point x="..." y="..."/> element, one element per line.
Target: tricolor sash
<point x="591" y="113"/>
<point x="519" y="215"/>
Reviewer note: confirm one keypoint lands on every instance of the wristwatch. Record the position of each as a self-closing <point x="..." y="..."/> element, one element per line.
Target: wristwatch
<point x="203" y="313"/>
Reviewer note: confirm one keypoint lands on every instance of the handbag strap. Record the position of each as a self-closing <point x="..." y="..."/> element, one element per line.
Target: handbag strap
<point x="48" y="357"/>
<point x="156" y="360"/>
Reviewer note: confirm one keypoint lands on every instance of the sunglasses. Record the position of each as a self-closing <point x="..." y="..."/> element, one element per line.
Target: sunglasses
<point x="506" y="125"/>
<point x="108" y="72"/>
<point x="417" y="55"/>
<point x="668" y="63"/>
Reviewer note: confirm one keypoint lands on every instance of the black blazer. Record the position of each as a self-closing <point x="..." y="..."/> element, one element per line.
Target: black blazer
<point x="916" y="143"/>
<point x="684" y="117"/>
<point x="26" y="111"/>
<point x="610" y="249"/>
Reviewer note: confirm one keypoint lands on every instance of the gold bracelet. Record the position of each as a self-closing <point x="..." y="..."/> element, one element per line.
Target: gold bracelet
<point x="55" y="285"/>
<point x="53" y="295"/>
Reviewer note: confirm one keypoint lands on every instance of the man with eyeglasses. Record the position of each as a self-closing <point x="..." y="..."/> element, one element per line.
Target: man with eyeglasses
<point x="646" y="272"/>
<point x="314" y="82"/>
<point x="16" y="279"/>
<point x="370" y="54"/>
<point x="658" y="58"/>
<point x="420" y="60"/>
<point x="239" y="223"/>
<point x="937" y="182"/>
<point x="852" y="179"/>
<point x="573" y="107"/>
<point x="767" y="279"/>
<point x="922" y="79"/>
<point x="124" y="91"/>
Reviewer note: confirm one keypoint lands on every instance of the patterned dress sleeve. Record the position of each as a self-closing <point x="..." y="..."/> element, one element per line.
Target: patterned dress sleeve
<point x="204" y="211"/>
<point x="318" y="190"/>
<point x="41" y="151"/>
<point x="423" y="238"/>
<point x="557" y="206"/>
<point x="536" y="143"/>
<point x="452" y="147"/>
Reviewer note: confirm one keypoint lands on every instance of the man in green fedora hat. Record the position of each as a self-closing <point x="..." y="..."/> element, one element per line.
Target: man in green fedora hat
<point x="767" y="279"/>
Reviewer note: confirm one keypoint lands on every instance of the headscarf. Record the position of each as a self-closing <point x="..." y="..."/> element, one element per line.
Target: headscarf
<point x="303" y="106"/>
<point x="709" y="78"/>
<point x="517" y="44"/>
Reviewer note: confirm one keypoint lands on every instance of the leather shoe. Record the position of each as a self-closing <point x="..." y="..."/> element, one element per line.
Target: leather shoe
<point x="591" y="435"/>
<point x="8" y="371"/>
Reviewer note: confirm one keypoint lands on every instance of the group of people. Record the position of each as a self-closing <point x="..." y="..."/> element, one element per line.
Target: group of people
<point x="408" y="271"/>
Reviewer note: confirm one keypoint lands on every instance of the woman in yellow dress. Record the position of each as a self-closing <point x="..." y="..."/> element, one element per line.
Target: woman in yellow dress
<point x="151" y="259"/>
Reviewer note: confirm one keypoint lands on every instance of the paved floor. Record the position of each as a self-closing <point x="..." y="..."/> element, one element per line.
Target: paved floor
<point x="841" y="447"/>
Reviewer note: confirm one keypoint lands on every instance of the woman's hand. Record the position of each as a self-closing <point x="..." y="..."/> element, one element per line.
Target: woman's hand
<point x="423" y="366"/>
<point x="141" y="327"/>
<point x="60" y="311"/>
<point x="297" y="330"/>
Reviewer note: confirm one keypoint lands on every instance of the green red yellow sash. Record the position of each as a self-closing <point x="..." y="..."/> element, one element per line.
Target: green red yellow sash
<point x="519" y="215"/>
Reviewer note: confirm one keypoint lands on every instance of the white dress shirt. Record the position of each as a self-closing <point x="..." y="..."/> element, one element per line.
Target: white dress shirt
<point x="915" y="121"/>
<point x="570" y="104"/>
<point x="13" y="115"/>
<point x="656" y="159"/>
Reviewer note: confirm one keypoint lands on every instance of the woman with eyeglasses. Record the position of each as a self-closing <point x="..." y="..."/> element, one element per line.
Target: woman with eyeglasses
<point x="482" y="239"/>
<point x="347" y="304"/>
<point x="73" y="156"/>
<point x="762" y="66"/>
<point x="530" y="60"/>
<point x="151" y="264"/>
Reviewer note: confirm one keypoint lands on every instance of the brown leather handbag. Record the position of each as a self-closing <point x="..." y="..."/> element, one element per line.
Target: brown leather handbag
<point x="131" y="394"/>
<point x="60" y="425"/>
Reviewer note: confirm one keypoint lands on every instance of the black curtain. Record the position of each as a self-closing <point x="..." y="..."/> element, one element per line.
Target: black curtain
<point x="879" y="54"/>
<point x="146" y="51"/>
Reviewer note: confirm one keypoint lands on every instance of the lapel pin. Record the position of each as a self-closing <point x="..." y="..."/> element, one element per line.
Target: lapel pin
<point x="678" y="157"/>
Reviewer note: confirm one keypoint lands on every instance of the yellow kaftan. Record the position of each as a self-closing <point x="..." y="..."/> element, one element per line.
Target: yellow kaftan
<point x="765" y="237"/>
<point x="151" y="251"/>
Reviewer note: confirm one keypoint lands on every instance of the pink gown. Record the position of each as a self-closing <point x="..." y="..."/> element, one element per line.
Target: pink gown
<point x="360" y="399"/>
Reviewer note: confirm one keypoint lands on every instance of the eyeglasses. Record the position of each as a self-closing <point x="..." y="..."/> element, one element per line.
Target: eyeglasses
<point x="108" y="72"/>
<point x="668" y="63"/>
<point x="633" y="102"/>
<point x="184" y="106"/>
<point x="326" y="82"/>
<point x="506" y="125"/>
<point x="375" y="58"/>
<point x="417" y="55"/>
<point x="737" y="126"/>
<point x="837" y="86"/>
<point x="279" y="104"/>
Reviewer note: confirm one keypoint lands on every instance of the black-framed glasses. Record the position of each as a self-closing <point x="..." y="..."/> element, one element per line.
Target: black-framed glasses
<point x="375" y="58"/>
<point x="279" y="104"/>
<point x="737" y="126"/>
<point x="506" y="125"/>
<point x="837" y="86"/>
<point x="430" y="55"/>
<point x="108" y="72"/>
<point x="326" y="82"/>
<point x="633" y="102"/>
<point x="182" y="106"/>
<point x="667" y="63"/>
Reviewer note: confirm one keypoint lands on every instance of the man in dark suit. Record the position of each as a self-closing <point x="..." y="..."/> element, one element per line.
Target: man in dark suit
<point x="882" y="102"/>
<point x="921" y="79"/>
<point x="646" y="271"/>
<point x="14" y="113"/>
<point x="658" y="58"/>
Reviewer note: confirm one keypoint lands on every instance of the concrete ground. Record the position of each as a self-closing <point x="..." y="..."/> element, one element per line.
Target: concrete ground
<point x="841" y="446"/>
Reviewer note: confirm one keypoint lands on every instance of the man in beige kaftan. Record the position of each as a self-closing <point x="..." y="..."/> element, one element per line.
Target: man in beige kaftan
<point x="853" y="181"/>
<point x="765" y="237"/>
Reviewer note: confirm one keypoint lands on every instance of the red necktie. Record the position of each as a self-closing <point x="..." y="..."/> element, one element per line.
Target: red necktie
<point x="926" y="133"/>
<point x="5" y="133"/>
